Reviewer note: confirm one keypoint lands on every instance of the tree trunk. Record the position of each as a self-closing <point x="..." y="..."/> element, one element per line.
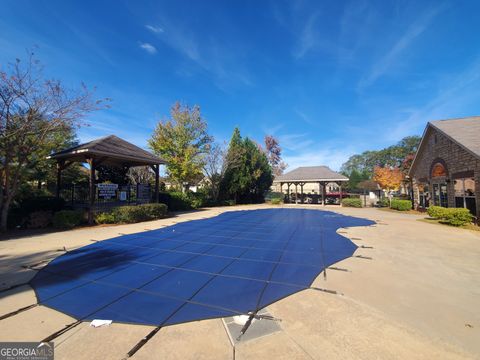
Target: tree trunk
<point x="4" y="215"/>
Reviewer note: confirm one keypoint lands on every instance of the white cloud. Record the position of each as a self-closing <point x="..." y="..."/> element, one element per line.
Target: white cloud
<point x="148" y="48"/>
<point x="415" y="29"/>
<point x="154" y="29"/>
<point x="309" y="37"/>
<point x="456" y="96"/>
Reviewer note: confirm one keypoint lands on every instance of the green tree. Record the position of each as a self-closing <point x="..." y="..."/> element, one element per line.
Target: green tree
<point x="247" y="171"/>
<point x="355" y="177"/>
<point x="43" y="170"/>
<point x="392" y="156"/>
<point x="33" y="110"/>
<point x="182" y="141"/>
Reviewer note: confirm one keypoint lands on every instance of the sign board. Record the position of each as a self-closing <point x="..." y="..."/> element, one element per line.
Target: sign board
<point x="123" y="196"/>
<point x="143" y="192"/>
<point x="107" y="191"/>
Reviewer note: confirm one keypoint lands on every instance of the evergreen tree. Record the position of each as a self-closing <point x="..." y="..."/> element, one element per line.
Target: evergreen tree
<point x="247" y="171"/>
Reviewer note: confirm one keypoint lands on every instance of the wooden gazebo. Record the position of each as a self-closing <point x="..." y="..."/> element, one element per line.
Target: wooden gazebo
<point x="321" y="175"/>
<point x="110" y="151"/>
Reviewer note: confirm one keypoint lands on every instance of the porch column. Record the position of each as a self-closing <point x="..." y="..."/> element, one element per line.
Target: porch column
<point x="59" y="177"/>
<point x="157" y="182"/>
<point x="323" y="194"/>
<point x="341" y="195"/>
<point x="91" y="200"/>
<point x="288" y="191"/>
<point x="296" y="193"/>
<point x="301" y="192"/>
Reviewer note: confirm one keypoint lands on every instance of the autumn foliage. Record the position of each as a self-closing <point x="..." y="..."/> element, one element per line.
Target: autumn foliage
<point x="388" y="178"/>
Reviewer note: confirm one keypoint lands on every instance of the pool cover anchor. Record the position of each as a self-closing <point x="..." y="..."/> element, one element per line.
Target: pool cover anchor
<point x="363" y="257"/>
<point x="338" y="269"/>
<point x="328" y="291"/>
<point x="251" y="317"/>
<point x="246" y="326"/>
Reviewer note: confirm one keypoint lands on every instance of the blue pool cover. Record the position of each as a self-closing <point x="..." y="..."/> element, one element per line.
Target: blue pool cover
<point x="234" y="263"/>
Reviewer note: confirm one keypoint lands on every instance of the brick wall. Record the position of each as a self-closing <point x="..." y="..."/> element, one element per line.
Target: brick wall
<point x="456" y="158"/>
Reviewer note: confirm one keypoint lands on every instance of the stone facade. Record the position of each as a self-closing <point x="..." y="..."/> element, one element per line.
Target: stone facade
<point x="437" y="148"/>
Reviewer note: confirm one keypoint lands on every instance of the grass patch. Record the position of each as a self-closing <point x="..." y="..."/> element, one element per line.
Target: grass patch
<point x="472" y="227"/>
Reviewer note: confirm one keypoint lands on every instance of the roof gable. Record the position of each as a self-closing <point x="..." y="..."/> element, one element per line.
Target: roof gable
<point x="465" y="132"/>
<point x="311" y="173"/>
<point x="112" y="147"/>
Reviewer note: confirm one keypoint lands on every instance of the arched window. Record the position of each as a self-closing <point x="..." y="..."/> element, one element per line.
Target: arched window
<point x="438" y="170"/>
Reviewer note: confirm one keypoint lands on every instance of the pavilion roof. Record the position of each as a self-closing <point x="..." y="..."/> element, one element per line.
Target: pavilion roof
<point x="110" y="150"/>
<point x="311" y="174"/>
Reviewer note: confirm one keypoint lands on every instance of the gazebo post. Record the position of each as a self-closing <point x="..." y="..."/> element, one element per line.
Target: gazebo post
<point x="301" y="192"/>
<point x="157" y="182"/>
<point x="288" y="191"/>
<point x="59" y="177"/>
<point x="296" y="193"/>
<point x="340" y="187"/>
<point x="91" y="199"/>
<point x="323" y="193"/>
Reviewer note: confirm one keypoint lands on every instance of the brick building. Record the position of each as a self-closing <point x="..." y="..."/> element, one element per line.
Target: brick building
<point x="446" y="168"/>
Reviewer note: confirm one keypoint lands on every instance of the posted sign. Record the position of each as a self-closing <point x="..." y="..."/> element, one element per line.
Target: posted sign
<point x="107" y="191"/>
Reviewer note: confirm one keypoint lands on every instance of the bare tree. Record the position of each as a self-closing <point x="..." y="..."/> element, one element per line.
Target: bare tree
<point x="214" y="168"/>
<point x="32" y="111"/>
<point x="140" y="175"/>
<point x="274" y="155"/>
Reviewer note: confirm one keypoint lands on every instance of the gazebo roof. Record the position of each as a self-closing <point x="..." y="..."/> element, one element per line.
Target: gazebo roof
<point x="311" y="174"/>
<point x="110" y="150"/>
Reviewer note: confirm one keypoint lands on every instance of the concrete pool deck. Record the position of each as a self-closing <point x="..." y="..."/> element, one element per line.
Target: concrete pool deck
<point x="418" y="298"/>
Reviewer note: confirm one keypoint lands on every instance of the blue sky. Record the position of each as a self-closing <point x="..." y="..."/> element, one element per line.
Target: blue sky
<point x="328" y="78"/>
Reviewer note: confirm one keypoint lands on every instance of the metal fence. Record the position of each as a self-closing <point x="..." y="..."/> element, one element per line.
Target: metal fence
<point x="77" y="196"/>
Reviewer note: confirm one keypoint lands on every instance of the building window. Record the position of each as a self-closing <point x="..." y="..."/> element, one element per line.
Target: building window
<point x="424" y="195"/>
<point x="465" y="194"/>
<point x="440" y="195"/>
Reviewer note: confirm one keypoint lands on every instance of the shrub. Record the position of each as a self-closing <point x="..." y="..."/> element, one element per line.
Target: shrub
<point x="352" y="202"/>
<point x="155" y="211"/>
<point x="130" y="214"/>
<point x="457" y="217"/>
<point x="450" y="216"/>
<point x="67" y="219"/>
<point x="401" y="205"/>
<point x="383" y="203"/>
<point x="133" y="214"/>
<point x="176" y="201"/>
<point x="436" y="212"/>
<point x="42" y="203"/>
<point x="196" y="199"/>
<point x="39" y="219"/>
<point x="276" y="201"/>
<point x="271" y="195"/>
<point x="105" y="218"/>
<point x="20" y="213"/>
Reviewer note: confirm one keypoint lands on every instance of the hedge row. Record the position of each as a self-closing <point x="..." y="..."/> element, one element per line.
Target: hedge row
<point x="274" y="198"/>
<point x="401" y="205"/>
<point x="450" y="216"/>
<point x="352" y="202"/>
<point x="67" y="219"/>
<point x="132" y="214"/>
<point x="178" y="201"/>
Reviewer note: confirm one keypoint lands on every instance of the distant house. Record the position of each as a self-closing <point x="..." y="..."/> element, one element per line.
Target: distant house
<point x="446" y="168"/>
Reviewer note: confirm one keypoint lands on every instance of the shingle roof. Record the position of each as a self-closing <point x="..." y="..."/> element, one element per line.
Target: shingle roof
<point x="463" y="131"/>
<point x="113" y="149"/>
<point x="311" y="173"/>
